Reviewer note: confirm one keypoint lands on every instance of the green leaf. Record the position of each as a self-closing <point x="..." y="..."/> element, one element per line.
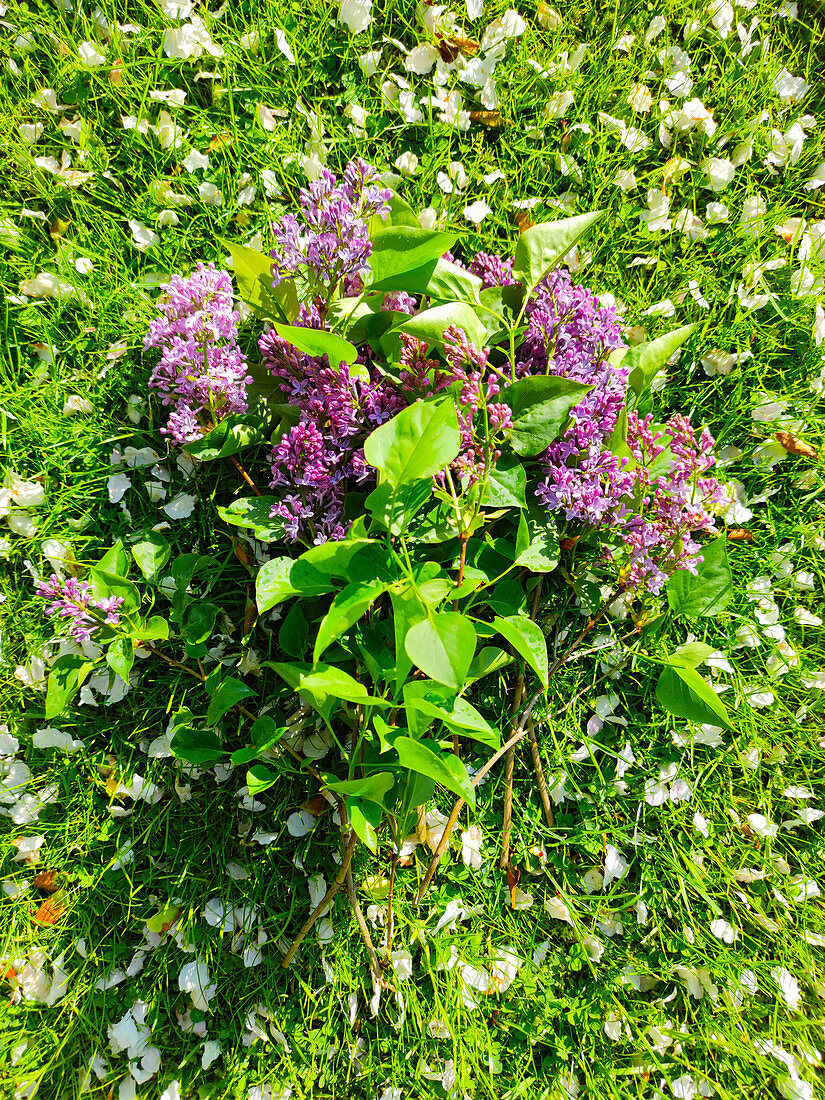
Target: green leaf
<point x="320" y="680"/>
<point x="449" y="283"/>
<point x="683" y="692"/>
<point x="228" y="694"/>
<point x="498" y="308"/>
<point x="463" y="717"/>
<point x="352" y="558"/>
<point x="155" y="628"/>
<point x="442" y="646"/>
<point x="253" y="274"/>
<point x="120" y="656"/>
<point x="402" y="249"/>
<point x="540" y="550"/>
<point x="115" y="561"/>
<point x="227" y="438"/>
<point x="540" y="406"/>
<point x="281" y="578"/>
<point x="187" y="566"/>
<point x="293" y="633"/>
<point x="541" y="247"/>
<point x="646" y="360"/>
<point x="197" y="746"/>
<point x="443" y="768"/>
<point x="430" y="324"/>
<point x="105" y="584"/>
<point x="374" y="787"/>
<point x="417" y="443"/>
<point x="691" y="654"/>
<point x="264" y="733"/>
<point x="407" y="610"/>
<point x="316" y="341"/>
<point x="346" y="609"/>
<point x="260" y="778"/>
<point x="488" y="660"/>
<point x="506" y="486"/>
<point x="199" y="621"/>
<point x="151" y="554"/>
<point x="527" y="640"/>
<point x="708" y="591"/>
<point x="394" y="509"/>
<point x="66" y="677"/>
<point x="365" y="817"/>
<point x="254" y="512"/>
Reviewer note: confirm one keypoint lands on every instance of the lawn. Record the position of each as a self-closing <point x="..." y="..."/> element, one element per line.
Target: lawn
<point x="665" y="936"/>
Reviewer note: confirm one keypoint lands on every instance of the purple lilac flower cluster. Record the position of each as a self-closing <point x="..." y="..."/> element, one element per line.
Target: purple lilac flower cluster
<point x="72" y="599"/>
<point x="332" y="244"/>
<point x="320" y="459"/>
<point x="202" y="371"/>
<point x="673" y="505"/>
<point x="655" y="518"/>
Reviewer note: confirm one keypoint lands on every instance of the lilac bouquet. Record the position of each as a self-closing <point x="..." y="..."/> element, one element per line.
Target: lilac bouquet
<point x="456" y="446"/>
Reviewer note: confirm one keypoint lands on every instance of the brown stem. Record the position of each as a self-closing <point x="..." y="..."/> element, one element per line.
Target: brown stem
<point x="325" y="900"/>
<point x="375" y="965"/>
<point x="390" y="892"/>
<point x="509" y="769"/>
<point x="462" y="561"/>
<point x="540" y="779"/>
<point x="245" y="475"/>
<point x="494" y="759"/>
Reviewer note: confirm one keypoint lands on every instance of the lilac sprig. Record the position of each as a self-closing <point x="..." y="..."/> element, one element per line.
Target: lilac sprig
<point x="202" y="370"/>
<point x="72" y="599"/>
<point x="331" y="243"/>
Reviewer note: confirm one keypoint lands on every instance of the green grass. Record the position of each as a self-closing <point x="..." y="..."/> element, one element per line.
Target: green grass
<point x="550" y="1022"/>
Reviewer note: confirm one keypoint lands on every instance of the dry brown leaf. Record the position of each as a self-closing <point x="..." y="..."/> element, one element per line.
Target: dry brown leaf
<point x="316" y="806"/>
<point x="49" y="912"/>
<point x="523" y="220"/>
<point x="740" y="534"/>
<point x="59" y="228"/>
<point x="47" y="881"/>
<point x="451" y="45"/>
<point x="513" y="876"/>
<point x="241" y="553"/>
<point x="250" y="615"/>
<point x="219" y="141"/>
<point x="795" y="446"/>
<point x="116" y="74"/>
<point x="487" y="118"/>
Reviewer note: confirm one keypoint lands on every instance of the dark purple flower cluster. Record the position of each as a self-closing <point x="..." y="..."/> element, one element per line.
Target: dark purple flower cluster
<point x="72" y="599"/>
<point x="331" y="243"/>
<point x="202" y="371"/>
<point x="320" y="459"/>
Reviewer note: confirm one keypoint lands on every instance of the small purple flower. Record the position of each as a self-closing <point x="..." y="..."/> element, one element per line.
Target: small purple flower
<point x="72" y="599"/>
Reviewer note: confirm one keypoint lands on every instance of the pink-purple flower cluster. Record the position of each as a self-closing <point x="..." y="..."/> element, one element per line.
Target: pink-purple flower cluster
<point x="331" y="244"/>
<point x="72" y="599"/>
<point x="202" y="371"/>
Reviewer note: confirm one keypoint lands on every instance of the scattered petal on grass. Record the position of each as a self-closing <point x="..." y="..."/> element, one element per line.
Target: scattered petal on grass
<point x="181" y="506"/>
